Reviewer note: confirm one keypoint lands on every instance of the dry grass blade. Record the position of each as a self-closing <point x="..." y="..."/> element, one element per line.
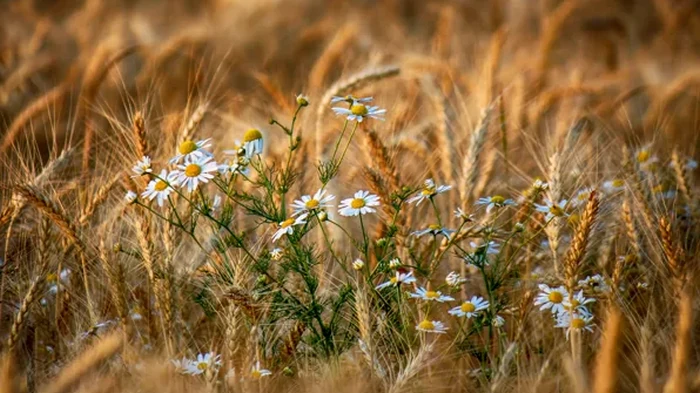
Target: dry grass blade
<point x="678" y="380"/>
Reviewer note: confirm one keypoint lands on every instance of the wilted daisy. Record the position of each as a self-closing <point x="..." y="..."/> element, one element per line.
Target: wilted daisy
<point x="551" y="298"/>
<point x="158" y="188"/>
<point x="581" y="197"/>
<point x="257" y="372"/>
<point x="276" y="254"/>
<point x="349" y="99"/>
<point x="495" y="201"/>
<point x="142" y="166"/>
<point x="287" y="226"/>
<point x="431" y="326"/>
<point x="490" y="248"/>
<point x="358" y="264"/>
<point x="181" y="365"/>
<point x="191" y="150"/>
<point x="434" y="229"/>
<point x="362" y="203"/>
<point x="539" y="185"/>
<point x="645" y="158"/>
<point x="398" y="279"/>
<point x="308" y="203"/>
<point x="453" y="279"/>
<point x="461" y="214"/>
<point x="498" y="321"/>
<point x="191" y="173"/>
<point x="394" y="263"/>
<point x="204" y="363"/>
<point x="429" y="190"/>
<point x="359" y="111"/>
<point x="577" y="303"/>
<point x="613" y="185"/>
<point x="574" y="321"/>
<point x="470" y="308"/>
<point x="130" y="196"/>
<point x="437" y="296"/>
<point x="552" y="209"/>
<point x="253" y="142"/>
<point x="595" y="283"/>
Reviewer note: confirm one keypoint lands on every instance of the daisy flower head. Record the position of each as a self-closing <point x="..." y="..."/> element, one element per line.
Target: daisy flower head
<point x="399" y="278"/>
<point x="645" y="158"/>
<point x="191" y="150"/>
<point x="595" y="283"/>
<point x="551" y="298"/>
<point x="142" y="166"/>
<point x="577" y="303"/>
<point x="358" y="264"/>
<point x="489" y="248"/>
<point x="349" y="99"/>
<point x="286" y="227"/>
<point x="191" y="173"/>
<point x="276" y="254"/>
<point x="582" y="197"/>
<point x="552" y="209"/>
<point x="253" y="142"/>
<point x="181" y="365"/>
<point x="461" y="214"/>
<point x="428" y="191"/>
<point x="437" y="296"/>
<point x="309" y="203"/>
<point x="394" y="263"/>
<point x="362" y="203"/>
<point x="498" y="321"/>
<point x="539" y="185"/>
<point x="574" y="321"/>
<point x="453" y="279"/>
<point x="613" y="185"/>
<point x="495" y="201"/>
<point x="257" y="372"/>
<point x="130" y="197"/>
<point x="470" y="308"/>
<point x="208" y="362"/>
<point x="434" y="229"/>
<point x="302" y="100"/>
<point x="358" y="111"/>
<point x="431" y="326"/>
<point x="158" y="188"/>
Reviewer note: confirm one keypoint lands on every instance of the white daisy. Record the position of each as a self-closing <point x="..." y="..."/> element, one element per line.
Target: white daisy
<point x="394" y="263"/>
<point x="470" y="308"/>
<point x="614" y="185"/>
<point x="539" y="185"/>
<point x="434" y="229"/>
<point x="257" y="372"/>
<point x="596" y="283"/>
<point x="429" y="190"/>
<point x="552" y="209"/>
<point x="645" y="158"/>
<point x="398" y="279"/>
<point x="453" y="279"/>
<point x="142" y="166"/>
<point x="181" y="365"/>
<point x="53" y="281"/>
<point x="358" y="264"/>
<point x="577" y="303"/>
<point x="130" y="196"/>
<point x="574" y="321"/>
<point x="490" y="248"/>
<point x="362" y="203"/>
<point x="461" y="214"/>
<point x="424" y="294"/>
<point x="431" y="326"/>
<point x="551" y="298"/>
<point x="191" y="150"/>
<point x="193" y="172"/>
<point x="276" y="254"/>
<point x="581" y="197"/>
<point x="359" y="111"/>
<point x="309" y="203"/>
<point x="498" y="321"/>
<point x="204" y="363"/>
<point x="495" y="201"/>
<point x="287" y="226"/>
<point x="253" y="142"/>
<point x="158" y="188"/>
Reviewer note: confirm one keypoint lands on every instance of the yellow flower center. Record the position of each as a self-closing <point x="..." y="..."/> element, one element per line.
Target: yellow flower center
<point x="357" y="203"/>
<point x="51" y="277"/>
<point x="160" y="185"/>
<point x="618" y="183"/>
<point x="434" y="227"/>
<point x="256" y="374"/>
<point x="202" y="366"/>
<point x="287" y="223"/>
<point x="497" y="199"/>
<point x="467" y="307"/>
<point x="187" y="147"/>
<point x="555" y="297"/>
<point x="575" y="303"/>
<point x="428" y="191"/>
<point x="643" y="156"/>
<point x="574" y="219"/>
<point x="358" y="110"/>
<point x="432" y="295"/>
<point x="556" y="210"/>
<point x="312" y="203"/>
<point x="578" y="323"/>
<point x="393" y="280"/>
<point x="583" y="196"/>
<point x="426" y="325"/>
<point x="193" y="170"/>
<point x="252" y="135"/>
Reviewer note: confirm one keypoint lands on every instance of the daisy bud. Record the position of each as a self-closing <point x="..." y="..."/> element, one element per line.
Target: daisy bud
<point x="323" y="216"/>
<point x="358" y="264"/>
<point x="302" y="100"/>
<point x="261" y="280"/>
<point x="381" y="242"/>
<point x="395" y="263"/>
<point x="519" y="227"/>
<point x="453" y="279"/>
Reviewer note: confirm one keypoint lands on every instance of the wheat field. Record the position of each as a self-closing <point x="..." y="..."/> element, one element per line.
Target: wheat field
<point x="349" y="196"/>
